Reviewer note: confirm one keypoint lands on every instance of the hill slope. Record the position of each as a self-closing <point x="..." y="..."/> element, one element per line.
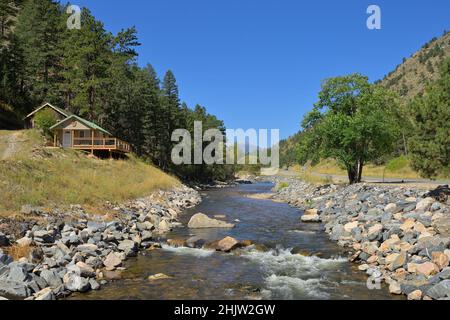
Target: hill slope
<point x="31" y="174"/>
<point x="411" y="77"/>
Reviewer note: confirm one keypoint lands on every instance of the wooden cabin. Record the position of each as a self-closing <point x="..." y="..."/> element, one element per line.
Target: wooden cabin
<point x="74" y="132"/>
<point x="77" y="133"/>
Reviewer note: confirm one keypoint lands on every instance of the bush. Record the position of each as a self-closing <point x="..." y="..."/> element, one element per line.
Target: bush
<point x="44" y="120"/>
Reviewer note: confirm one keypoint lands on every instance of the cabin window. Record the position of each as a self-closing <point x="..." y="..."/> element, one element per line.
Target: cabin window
<point x="85" y="134"/>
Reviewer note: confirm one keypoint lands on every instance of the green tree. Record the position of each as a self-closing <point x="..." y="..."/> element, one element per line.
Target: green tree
<point x="351" y="123"/>
<point x="44" y="120"/>
<point x="430" y="144"/>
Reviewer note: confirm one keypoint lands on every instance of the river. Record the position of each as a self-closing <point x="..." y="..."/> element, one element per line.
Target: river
<point x="245" y="274"/>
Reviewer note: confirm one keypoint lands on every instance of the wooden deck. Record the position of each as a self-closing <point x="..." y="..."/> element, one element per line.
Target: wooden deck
<point x="107" y="144"/>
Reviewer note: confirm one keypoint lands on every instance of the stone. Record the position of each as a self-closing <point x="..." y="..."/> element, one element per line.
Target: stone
<point x="45" y="295"/>
<point x="202" y="221"/>
<point x="128" y="246"/>
<point x="88" y="248"/>
<point x="311" y="218"/>
<point x="24" y="242"/>
<point x="395" y="288"/>
<point x="425" y="204"/>
<point x="177" y="243"/>
<point x="415" y="295"/>
<point x="17" y="273"/>
<point x="51" y="277"/>
<point x="158" y="276"/>
<point x="363" y="267"/>
<point x="43" y="236"/>
<point x="311" y="212"/>
<point x="5" y="259"/>
<point x="427" y="269"/>
<point x="195" y="242"/>
<point x="408" y="224"/>
<point x="350" y="226"/>
<point x="15" y="289"/>
<point x="227" y="244"/>
<point x="440" y="259"/>
<point x="76" y="283"/>
<point x="440" y="290"/>
<point x="391" y="208"/>
<point x="94" y="284"/>
<point x="374" y="232"/>
<point x="398" y="261"/>
<point x="4" y="241"/>
<point x="85" y="270"/>
<point x="112" y="261"/>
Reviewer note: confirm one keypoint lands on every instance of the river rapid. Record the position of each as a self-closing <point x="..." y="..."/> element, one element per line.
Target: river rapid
<point x="320" y="272"/>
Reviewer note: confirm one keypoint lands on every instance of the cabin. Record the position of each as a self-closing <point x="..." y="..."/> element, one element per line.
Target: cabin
<point x="58" y="113"/>
<point x="74" y="132"/>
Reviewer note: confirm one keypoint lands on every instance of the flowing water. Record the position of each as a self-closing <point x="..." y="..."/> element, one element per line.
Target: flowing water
<point x="245" y="274"/>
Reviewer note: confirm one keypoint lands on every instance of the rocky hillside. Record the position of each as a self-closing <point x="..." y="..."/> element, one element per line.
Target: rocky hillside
<point x="411" y="77"/>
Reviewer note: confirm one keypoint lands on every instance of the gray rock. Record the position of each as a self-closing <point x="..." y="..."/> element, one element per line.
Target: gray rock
<point x="43" y="236"/>
<point x="440" y="290"/>
<point x="17" y="273"/>
<point x="94" y="284"/>
<point x="45" y="294"/>
<point x="4" y="241"/>
<point x="5" y="259"/>
<point x="128" y="246"/>
<point x="76" y="283"/>
<point x="16" y="289"/>
<point x="51" y="277"/>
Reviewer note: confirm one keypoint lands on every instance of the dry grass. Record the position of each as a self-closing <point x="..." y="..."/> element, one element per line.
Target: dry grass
<point x="65" y="177"/>
<point x="18" y="252"/>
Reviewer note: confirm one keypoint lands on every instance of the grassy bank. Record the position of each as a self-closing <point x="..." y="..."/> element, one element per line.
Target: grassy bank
<point x="46" y="177"/>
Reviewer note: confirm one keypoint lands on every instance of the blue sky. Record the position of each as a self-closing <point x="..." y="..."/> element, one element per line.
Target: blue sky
<point x="259" y="63"/>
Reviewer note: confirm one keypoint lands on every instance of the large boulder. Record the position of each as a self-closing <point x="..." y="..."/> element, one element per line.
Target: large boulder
<point x="52" y="278"/>
<point x="439" y="291"/>
<point x="15" y="289"/>
<point x="112" y="261"/>
<point x="202" y="221"/>
<point x="76" y="283"/>
<point x="227" y="244"/>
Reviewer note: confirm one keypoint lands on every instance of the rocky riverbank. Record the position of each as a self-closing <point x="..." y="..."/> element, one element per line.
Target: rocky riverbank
<point x="400" y="236"/>
<point x="75" y="251"/>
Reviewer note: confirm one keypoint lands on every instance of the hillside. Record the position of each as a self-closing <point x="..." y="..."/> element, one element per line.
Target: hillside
<point x="411" y="77"/>
<point x="34" y="175"/>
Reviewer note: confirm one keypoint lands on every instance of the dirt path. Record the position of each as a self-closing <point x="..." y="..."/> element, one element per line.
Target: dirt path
<point x="11" y="142"/>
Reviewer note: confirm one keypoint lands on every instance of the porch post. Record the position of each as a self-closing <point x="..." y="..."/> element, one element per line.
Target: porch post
<point x="54" y="139"/>
<point x="92" y="136"/>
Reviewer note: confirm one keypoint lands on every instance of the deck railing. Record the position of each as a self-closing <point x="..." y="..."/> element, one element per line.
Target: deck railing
<point x="101" y="144"/>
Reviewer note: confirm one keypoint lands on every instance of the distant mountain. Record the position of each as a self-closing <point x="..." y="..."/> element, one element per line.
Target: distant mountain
<point x="412" y="76"/>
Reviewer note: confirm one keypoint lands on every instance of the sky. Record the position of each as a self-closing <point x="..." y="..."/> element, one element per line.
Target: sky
<point x="260" y="63"/>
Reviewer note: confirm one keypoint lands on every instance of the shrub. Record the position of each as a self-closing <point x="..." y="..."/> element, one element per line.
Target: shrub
<point x="44" y="120"/>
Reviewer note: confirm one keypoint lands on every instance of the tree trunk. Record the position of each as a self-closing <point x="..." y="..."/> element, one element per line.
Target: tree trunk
<point x="360" y="170"/>
<point x="352" y="174"/>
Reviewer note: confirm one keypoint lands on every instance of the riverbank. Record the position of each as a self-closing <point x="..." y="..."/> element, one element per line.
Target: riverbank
<point x="400" y="236"/>
<point x="49" y="255"/>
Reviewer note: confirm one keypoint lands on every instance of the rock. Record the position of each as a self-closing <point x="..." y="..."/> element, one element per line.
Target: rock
<point x="311" y="212"/>
<point x="201" y="221"/>
<point x="391" y="208"/>
<point x="86" y="271"/>
<point x="112" y="261"/>
<point x="88" y="248"/>
<point x="94" y="284"/>
<point x="415" y="295"/>
<point x="350" y="226"/>
<point x="4" y="241"/>
<point x="15" y="289"/>
<point x="396" y="260"/>
<point x="29" y="210"/>
<point x="112" y="275"/>
<point x="311" y="218"/>
<point x="427" y="269"/>
<point x="76" y="283"/>
<point x="45" y="295"/>
<point x="158" y="276"/>
<point x="24" y="242"/>
<point x="17" y="273"/>
<point x="43" y="236"/>
<point x="363" y="267"/>
<point x="374" y="232"/>
<point x="394" y="288"/>
<point x="425" y="204"/>
<point x="408" y="225"/>
<point x="52" y="278"/>
<point x="36" y="255"/>
<point x="440" y="259"/>
<point x="439" y="291"/>
<point x="128" y="246"/>
<point x="195" y="242"/>
<point x="177" y="243"/>
<point x="227" y="244"/>
<point x="5" y="259"/>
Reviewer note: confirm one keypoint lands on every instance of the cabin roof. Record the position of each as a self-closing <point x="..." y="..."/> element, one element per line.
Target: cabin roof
<point x="63" y="112"/>
<point x="87" y="123"/>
